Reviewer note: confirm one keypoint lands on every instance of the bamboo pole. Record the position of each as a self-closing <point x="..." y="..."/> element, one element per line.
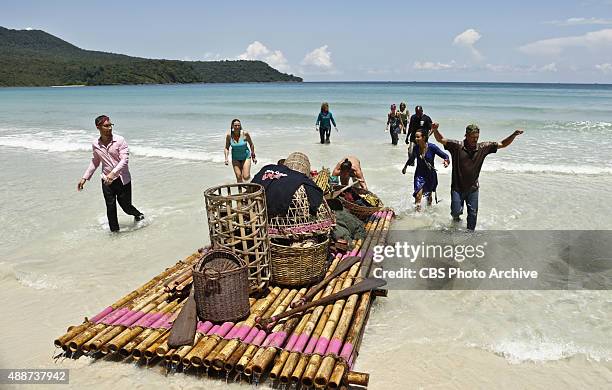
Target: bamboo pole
<point x="223" y="355"/>
<point x="139" y="349"/>
<point x="150" y="352"/>
<point x="148" y="336"/>
<point x="326" y="326"/>
<point x="206" y="346"/>
<point x="138" y="327"/>
<point x="293" y="295"/>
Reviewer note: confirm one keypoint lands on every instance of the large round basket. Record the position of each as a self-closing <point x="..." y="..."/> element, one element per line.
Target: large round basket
<point x="221" y="287"/>
<point x="238" y="221"/>
<point x="298" y="266"/>
<point x="361" y="212"/>
<point x="298" y="222"/>
<point x="298" y="161"/>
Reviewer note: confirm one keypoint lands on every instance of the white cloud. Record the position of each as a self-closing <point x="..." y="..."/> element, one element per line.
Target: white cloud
<point x="427" y="65"/>
<point x="605" y="68"/>
<point x="258" y="51"/>
<point x="319" y="58"/>
<point x="552" y="67"/>
<point x="579" y="22"/>
<point x="554" y="46"/>
<point x="468" y="39"/>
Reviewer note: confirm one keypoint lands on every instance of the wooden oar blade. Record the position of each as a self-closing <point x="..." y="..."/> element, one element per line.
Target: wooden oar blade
<point x="184" y="327"/>
<point x="363" y="286"/>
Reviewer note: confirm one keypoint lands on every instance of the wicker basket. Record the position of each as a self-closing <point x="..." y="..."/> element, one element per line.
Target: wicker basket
<point x="361" y="212"/>
<point x="297" y="266"/>
<point x="221" y="287"/>
<point x="238" y="221"/>
<point x="298" y="161"/>
<point x="298" y="223"/>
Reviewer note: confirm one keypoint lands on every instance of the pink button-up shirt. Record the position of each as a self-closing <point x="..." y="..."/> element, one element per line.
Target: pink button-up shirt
<point x="114" y="158"/>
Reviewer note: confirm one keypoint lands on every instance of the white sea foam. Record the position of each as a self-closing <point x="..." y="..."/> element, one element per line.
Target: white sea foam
<point x="542" y="351"/>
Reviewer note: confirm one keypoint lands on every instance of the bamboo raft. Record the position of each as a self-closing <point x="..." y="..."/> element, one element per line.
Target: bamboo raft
<point x="316" y="348"/>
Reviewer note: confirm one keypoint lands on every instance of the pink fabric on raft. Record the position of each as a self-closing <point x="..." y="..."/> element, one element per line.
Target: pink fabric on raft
<point x="251" y="336"/>
<point x="257" y="340"/>
<point x="347" y="350"/>
<point x="162" y="320"/>
<point x="278" y="339"/>
<point x="292" y="339"/>
<point x="300" y="343"/>
<point x="114" y="316"/>
<point x="334" y="347"/>
<point x="242" y="332"/>
<point x="224" y="328"/>
<point x="204" y="327"/>
<point x="321" y="346"/>
<point x="101" y="315"/>
<point x="213" y="330"/>
<point x="311" y="345"/>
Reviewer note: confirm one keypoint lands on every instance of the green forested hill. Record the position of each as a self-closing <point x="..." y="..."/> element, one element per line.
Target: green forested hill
<point x="36" y="58"/>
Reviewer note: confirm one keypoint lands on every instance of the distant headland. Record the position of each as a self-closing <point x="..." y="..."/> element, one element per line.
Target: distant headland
<point x="35" y="58"/>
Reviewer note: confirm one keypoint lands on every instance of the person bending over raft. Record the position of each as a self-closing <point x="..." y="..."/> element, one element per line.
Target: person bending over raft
<point x="237" y="139"/>
<point x="323" y="125"/>
<point x="350" y="168"/>
<point x="425" y="177"/>
<point x="468" y="156"/>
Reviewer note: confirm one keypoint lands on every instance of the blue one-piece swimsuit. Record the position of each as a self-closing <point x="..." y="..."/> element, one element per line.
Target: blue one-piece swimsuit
<point x="240" y="150"/>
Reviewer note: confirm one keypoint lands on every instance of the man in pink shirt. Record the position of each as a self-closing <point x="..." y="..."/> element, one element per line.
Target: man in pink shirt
<point x="112" y="151"/>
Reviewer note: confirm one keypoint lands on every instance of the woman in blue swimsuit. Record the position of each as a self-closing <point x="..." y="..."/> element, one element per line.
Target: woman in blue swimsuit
<point x="425" y="177"/>
<point x="237" y="140"/>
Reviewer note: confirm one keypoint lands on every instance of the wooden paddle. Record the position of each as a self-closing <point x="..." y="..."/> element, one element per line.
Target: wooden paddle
<point x="363" y="286"/>
<point x="184" y="327"/>
<point x="342" y="266"/>
<point x="337" y="193"/>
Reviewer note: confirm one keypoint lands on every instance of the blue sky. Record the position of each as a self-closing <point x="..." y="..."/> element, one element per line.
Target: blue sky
<point x="537" y="41"/>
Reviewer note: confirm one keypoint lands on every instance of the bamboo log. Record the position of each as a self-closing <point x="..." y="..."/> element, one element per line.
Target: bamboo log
<point x="130" y="333"/>
<point x="138" y="312"/>
<point x="358" y="378"/>
<point x="257" y="311"/>
<point x="148" y="336"/>
<point x="150" y="352"/>
<point x="293" y="295"/>
<point x="139" y="349"/>
<point x="207" y="362"/>
<point x="337" y="375"/>
<point x="181" y="352"/>
<point x="72" y="332"/>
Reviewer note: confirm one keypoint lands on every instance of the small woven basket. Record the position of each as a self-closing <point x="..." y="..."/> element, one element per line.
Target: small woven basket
<point x="298" y="223"/>
<point x="298" y="266"/>
<point x="221" y="287"/>
<point x="298" y="161"/>
<point x="361" y="212"/>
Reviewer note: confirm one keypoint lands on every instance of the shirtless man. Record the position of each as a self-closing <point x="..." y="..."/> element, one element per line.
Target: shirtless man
<point x="350" y="167"/>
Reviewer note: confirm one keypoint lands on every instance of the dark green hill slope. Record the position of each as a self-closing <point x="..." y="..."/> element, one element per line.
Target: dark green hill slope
<point x="36" y="58"/>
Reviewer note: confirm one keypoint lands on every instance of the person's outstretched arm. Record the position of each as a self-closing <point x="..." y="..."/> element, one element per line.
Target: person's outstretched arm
<point x="318" y="122"/>
<point x="410" y="162"/>
<point x="250" y="141"/>
<point x="331" y="116"/>
<point x="93" y="165"/>
<point x="227" y="148"/>
<point x="508" y="140"/>
<point x="439" y="137"/>
<point x="442" y="155"/>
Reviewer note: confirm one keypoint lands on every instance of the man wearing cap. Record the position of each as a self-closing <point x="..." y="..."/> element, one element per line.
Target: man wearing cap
<point x="112" y="151"/>
<point x="467" y="158"/>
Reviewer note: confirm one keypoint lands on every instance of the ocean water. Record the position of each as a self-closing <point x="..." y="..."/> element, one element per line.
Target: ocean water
<point x="58" y="261"/>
